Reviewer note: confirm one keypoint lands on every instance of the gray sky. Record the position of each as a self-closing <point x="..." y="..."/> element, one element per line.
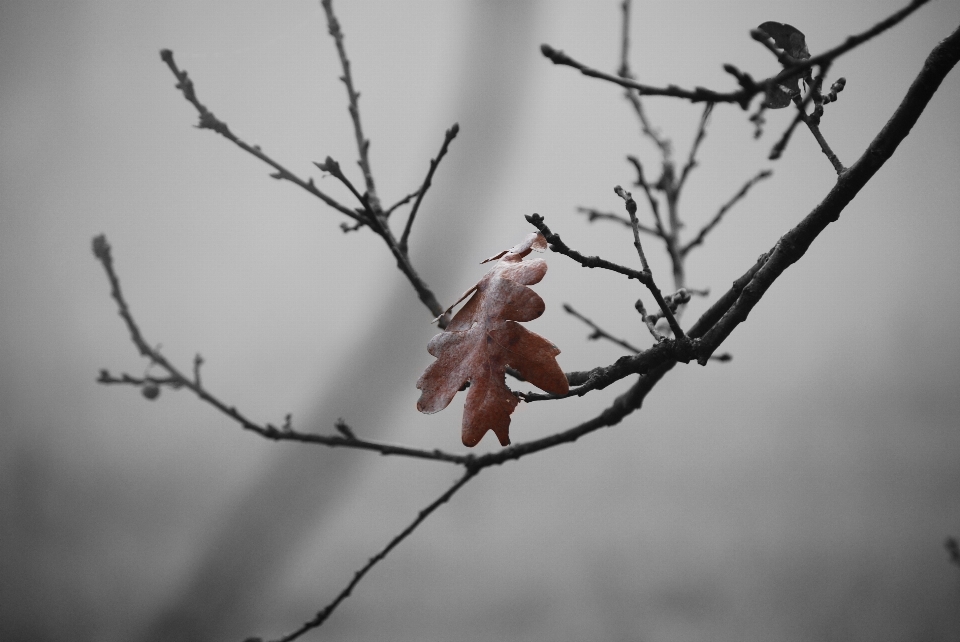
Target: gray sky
<point x="801" y="491"/>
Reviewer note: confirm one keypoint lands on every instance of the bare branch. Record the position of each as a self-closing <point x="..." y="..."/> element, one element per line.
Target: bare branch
<point x="449" y="136"/>
<point x="794" y="243"/>
<point x="557" y="245"/>
<point x="363" y="144"/>
<point x="812" y="121"/>
<point x="777" y="150"/>
<point x="403" y="201"/>
<point x="631" y="206"/>
<point x="746" y="93"/>
<point x="698" y="240"/>
<point x="625" y="40"/>
<point x="824" y="147"/>
<point x="325" y="612"/>
<point x="654" y="204"/>
<point x="697" y="95"/>
<point x="701" y="134"/>
<point x="622" y="406"/>
<point x="209" y="121"/>
<point x="649" y="321"/>
<point x="176" y="379"/>
<point x="662" y="143"/>
<point x="596" y="215"/>
<point x="332" y="167"/>
<point x="796" y="69"/>
<point x="598" y="332"/>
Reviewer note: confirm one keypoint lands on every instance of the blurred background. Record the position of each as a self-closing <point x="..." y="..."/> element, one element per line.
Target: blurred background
<point x="802" y="491"/>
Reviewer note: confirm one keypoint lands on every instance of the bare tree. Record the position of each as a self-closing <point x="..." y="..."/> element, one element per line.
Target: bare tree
<point x="799" y="85"/>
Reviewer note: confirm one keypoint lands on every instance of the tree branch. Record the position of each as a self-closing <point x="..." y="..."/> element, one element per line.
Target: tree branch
<point x="662" y="143"/>
<point x="701" y="235"/>
<point x="641" y="182"/>
<point x="596" y="215"/>
<point x="325" y="612"/>
<point x="598" y="332"/>
<point x="209" y="121"/>
<point x="622" y="406"/>
<point x="449" y="136"/>
<point x="746" y="93"/>
<point x="176" y="379"/>
<point x="692" y="159"/>
<point x="363" y="144"/>
<point x="713" y="327"/>
<point x="696" y="95"/>
<point x="557" y="245"/>
<point x="631" y="206"/>
<point x="794" y="243"/>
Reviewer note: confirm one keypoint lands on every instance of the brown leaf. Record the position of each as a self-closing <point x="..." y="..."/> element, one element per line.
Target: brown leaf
<point x="483" y="338"/>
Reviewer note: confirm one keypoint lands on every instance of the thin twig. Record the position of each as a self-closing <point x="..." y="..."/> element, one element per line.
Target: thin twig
<point x="557" y="245"/>
<point x="631" y="206"/>
<point x="102" y="250"/>
<point x="403" y="201"/>
<point x="363" y="144"/>
<point x="369" y="215"/>
<point x="698" y="240"/>
<point x="325" y="612"/>
<point x="641" y="182"/>
<point x="598" y="332"/>
<point x="662" y="143"/>
<point x="649" y="321"/>
<point x="332" y="167"/>
<point x="745" y="94"/>
<point x="701" y="134"/>
<point x="448" y="136"/>
<point x="595" y="215"/>
<point x="824" y="147"/>
<point x="197" y="362"/>
<point x="851" y="42"/>
<point x="370" y="200"/>
<point x="794" y="243"/>
<point x="209" y="121"/>
<point x="664" y="352"/>
<point x="625" y="40"/>
<point x="812" y="122"/>
<point x="777" y="150"/>
<point x="699" y="94"/>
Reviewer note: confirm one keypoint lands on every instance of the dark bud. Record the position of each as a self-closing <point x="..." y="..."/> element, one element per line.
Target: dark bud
<point x="101" y="249"/>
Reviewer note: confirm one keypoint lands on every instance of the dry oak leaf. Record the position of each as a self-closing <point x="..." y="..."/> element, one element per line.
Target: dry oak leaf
<point x="483" y="338"/>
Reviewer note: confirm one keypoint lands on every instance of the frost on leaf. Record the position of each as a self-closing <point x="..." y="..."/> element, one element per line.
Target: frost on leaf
<point x="794" y="44"/>
<point x="484" y="337"/>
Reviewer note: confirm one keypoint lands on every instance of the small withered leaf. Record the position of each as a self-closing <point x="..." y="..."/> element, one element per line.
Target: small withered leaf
<point x="794" y="44"/>
<point x="485" y="337"/>
<point x="788" y="38"/>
